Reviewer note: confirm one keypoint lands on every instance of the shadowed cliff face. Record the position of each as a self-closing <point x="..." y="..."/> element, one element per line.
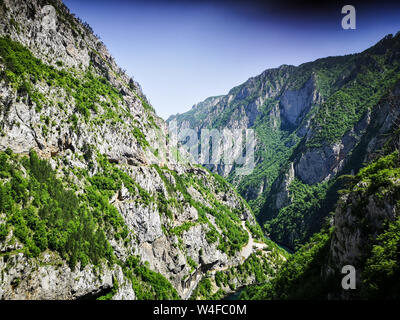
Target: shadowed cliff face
<point x="63" y="97"/>
<point x="296" y="103"/>
<point x="315" y="119"/>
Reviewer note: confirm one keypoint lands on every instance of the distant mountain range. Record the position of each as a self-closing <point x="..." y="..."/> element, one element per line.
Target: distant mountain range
<point x="96" y="204"/>
<point x="313" y="123"/>
<point x="93" y="202"/>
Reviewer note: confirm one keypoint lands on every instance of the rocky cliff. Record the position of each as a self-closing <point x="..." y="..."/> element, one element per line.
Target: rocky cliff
<point x="93" y="200"/>
<point x="362" y="234"/>
<point x="312" y="123"/>
<point x="362" y="231"/>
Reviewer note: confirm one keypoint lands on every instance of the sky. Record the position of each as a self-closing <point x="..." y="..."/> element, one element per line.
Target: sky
<point x="182" y="52"/>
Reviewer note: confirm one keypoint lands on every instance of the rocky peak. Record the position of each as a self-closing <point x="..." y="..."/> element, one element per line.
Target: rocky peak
<point x="69" y="113"/>
<point x="317" y="116"/>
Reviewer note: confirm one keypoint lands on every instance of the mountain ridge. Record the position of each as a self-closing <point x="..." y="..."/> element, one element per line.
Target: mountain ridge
<point x="333" y="197"/>
<point x="94" y="201"/>
<point x="311" y="116"/>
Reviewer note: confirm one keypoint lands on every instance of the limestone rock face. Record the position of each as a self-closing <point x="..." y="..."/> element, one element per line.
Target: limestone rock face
<point x="237" y="111"/>
<point x="317" y="165"/>
<point x="46" y="279"/>
<point x="163" y="203"/>
<point x="304" y="117"/>
<point x="296" y="103"/>
<point x="353" y="234"/>
<point x="283" y="197"/>
<point x="145" y="222"/>
<point x="199" y="249"/>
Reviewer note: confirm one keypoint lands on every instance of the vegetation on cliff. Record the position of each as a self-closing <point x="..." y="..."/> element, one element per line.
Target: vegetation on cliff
<point x="305" y="274"/>
<point x="341" y="92"/>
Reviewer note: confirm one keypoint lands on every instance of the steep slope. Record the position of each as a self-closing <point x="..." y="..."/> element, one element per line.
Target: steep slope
<point x="313" y="123"/>
<point x="93" y="200"/>
<point x="363" y="233"/>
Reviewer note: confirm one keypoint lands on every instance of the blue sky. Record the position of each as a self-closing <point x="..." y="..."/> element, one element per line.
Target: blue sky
<point x="182" y="52"/>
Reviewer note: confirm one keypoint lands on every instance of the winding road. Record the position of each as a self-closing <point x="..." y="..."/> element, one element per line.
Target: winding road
<point x="246" y="251"/>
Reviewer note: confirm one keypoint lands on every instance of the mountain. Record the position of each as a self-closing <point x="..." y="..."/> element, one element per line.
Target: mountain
<point x="313" y="123"/>
<point x="94" y="203"/>
<point x="364" y="233"/>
